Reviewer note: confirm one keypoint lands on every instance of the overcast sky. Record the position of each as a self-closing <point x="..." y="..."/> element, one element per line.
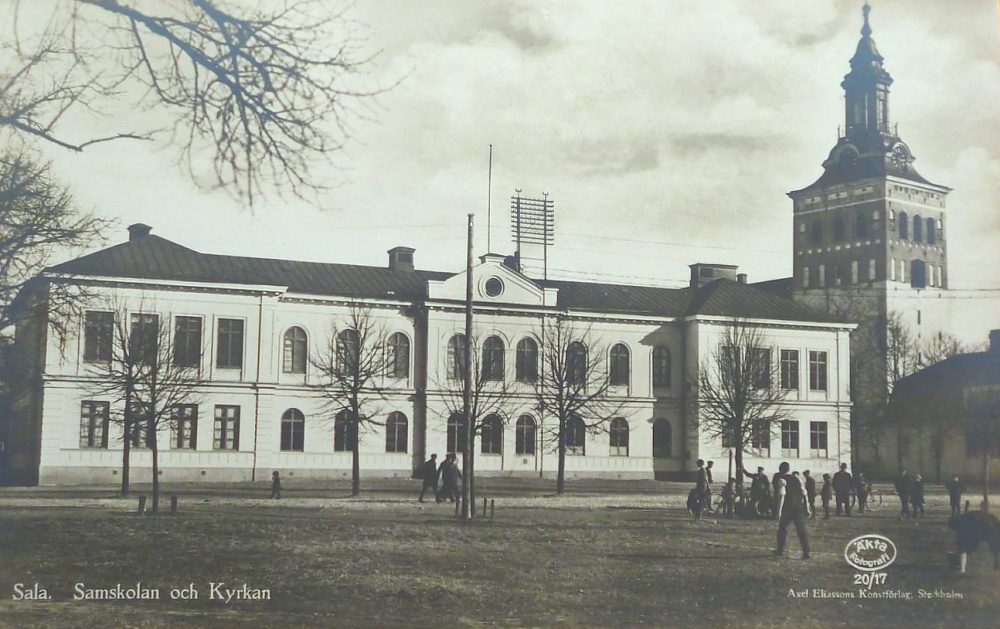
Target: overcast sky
<point x="666" y="131"/>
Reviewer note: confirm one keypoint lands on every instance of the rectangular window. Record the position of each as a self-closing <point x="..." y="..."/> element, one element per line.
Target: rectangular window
<point x="94" y="417"/>
<point x="817" y="371"/>
<point x="227" y="428"/>
<point x="930" y="275"/>
<point x="822" y="275"/>
<point x="229" y="354"/>
<point x="790" y="369"/>
<point x="818" y="440"/>
<point x="185" y="422"/>
<point x="760" y="439"/>
<point x="760" y="364"/>
<point x="97" y="337"/>
<point x="871" y="270"/>
<point x="854" y="272"/>
<point x="902" y="271"/>
<point x="837" y="279"/>
<point x="139" y="430"/>
<point x="144" y="337"/>
<point x="790" y="439"/>
<point x="187" y="341"/>
<point x="892" y="270"/>
<point x="805" y="277"/>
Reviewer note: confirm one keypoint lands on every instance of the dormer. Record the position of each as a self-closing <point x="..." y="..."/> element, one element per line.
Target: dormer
<point x="401" y="258"/>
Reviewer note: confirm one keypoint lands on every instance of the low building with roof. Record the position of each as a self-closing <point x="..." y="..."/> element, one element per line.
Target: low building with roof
<point x="259" y="321"/>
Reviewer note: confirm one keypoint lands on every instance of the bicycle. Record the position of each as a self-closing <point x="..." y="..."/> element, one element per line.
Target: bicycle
<point x="874" y="502"/>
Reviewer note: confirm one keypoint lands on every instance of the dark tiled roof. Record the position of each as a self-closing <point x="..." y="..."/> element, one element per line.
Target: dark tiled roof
<point x="152" y="257"/>
<point x="865" y="168"/>
<point x="957" y="372"/>
<point x="157" y="258"/>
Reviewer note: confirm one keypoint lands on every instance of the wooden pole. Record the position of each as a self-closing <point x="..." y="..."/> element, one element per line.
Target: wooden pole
<point x="467" y="381"/>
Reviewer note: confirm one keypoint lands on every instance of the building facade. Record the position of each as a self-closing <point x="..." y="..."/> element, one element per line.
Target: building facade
<point x="258" y="324"/>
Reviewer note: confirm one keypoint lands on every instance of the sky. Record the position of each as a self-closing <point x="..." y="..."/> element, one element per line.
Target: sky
<point x="667" y="132"/>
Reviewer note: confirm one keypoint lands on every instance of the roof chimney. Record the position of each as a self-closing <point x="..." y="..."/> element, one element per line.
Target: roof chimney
<point x="401" y="258"/>
<point x="741" y="278"/>
<point x="138" y="230"/>
<point x="995" y="342"/>
<point x="702" y="273"/>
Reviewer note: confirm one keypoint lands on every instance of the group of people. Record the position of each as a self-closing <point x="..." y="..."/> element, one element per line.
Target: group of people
<point x="448" y="473"/>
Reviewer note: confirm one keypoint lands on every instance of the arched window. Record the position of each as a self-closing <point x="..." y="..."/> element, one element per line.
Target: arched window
<point x="524" y="435"/>
<point x="619" y="437"/>
<point x="861" y="224"/>
<point x="526" y="362"/>
<point x="457" y="433"/>
<point x="619" y="365"/>
<point x="396" y="432"/>
<point x="491" y="435"/>
<point x="918" y="274"/>
<point x="838" y="229"/>
<point x="293" y="429"/>
<point x="493" y="351"/>
<point x="348" y="350"/>
<point x="904" y="226"/>
<point x="456" y="357"/>
<point x="294" y="354"/>
<point x="576" y="363"/>
<point x="931" y="232"/>
<point x="344" y="432"/>
<point x="399" y="356"/>
<point x="661" y="367"/>
<point x="918" y="229"/>
<point x="576" y="436"/>
<point x="663" y="439"/>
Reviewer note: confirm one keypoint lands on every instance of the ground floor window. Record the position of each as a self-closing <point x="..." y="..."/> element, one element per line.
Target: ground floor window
<point x="457" y="433"/>
<point x="576" y="436"/>
<point x="227" y="428"/>
<point x="293" y="431"/>
<point x="396" y="432"/>
<point x="790" y="439"/>
<point x="94" y="419"/>
<point x="619" y="437"/>
<point x="491" y="435"/>
<point x="662" y="439"/>
<point x="524" y="442"/>
<point x="185" y="418"/>
<point x="343" y="433"/>
<point x="818" y="440"/>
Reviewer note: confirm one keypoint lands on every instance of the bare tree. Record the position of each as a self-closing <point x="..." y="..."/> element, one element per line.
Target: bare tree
<point x="490" y="397"/>
<point x="351" y="368"/>
<point x="982" y="406"/>
<point x="37" y="219"/>
<point x="267" y="89"/>
<point x="902" y="358"/>
<point x="152" y="381"/>
<point x="740" y="397"/>
<point x="575" y="388"/>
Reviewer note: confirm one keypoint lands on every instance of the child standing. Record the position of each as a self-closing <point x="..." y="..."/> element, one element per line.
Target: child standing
<point x="827" y="495"/>
<point x="275" y="485"/>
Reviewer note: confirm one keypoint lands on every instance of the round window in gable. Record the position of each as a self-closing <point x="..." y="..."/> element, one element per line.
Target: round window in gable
<point x="493" y="287"/>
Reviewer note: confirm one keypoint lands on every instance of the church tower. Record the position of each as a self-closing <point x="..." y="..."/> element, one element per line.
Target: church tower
<point x="870" y="245"/>
<point x="871" y="227"/>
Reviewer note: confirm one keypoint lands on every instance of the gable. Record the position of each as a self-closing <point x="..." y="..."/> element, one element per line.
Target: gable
<point x="492" y="282"/>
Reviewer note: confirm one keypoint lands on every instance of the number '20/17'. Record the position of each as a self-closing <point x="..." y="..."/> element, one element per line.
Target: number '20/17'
<point x="870" y="579"/>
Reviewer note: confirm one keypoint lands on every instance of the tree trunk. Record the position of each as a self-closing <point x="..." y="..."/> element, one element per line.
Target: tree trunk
<point x="986" y="478"/>
<point x="355" y="459"/>
<point x="151" y="440"/>
<point x="561" y="475"/>
<point x="127" y="445"/>
<point x="472" y="480"/>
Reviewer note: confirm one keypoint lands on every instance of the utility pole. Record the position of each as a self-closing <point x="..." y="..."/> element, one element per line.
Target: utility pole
<point x="467" y="508"/>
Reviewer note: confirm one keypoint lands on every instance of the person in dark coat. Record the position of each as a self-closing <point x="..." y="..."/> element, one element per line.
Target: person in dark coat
<point x="275" y="485"/>
<point x="917" y="496"/>
<point x="775" y="487"/>
<point x="760" y="496"/>
<point x="972" y="529"/>
<point x="862" y="488"/>
<point x="429" y="474"/>
<point x="450" y="475"/>
<point x="955" y="491"/>
<point x="842" y="485"/>
<point x="903" y="491"/>
<point x="827" y="495"/>
<point x="810" y="491"/>
<point x="794" y="509"/>
<point x="708" y="488"/>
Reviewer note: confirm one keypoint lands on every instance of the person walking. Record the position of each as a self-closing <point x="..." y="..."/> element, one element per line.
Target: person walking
<point x="775" y="482"/>
<point x="701" y="489"/>
<point x="708" y="489"/>
<point x="275" y="485"/>
<point x="794" y="508"/>
<point x="903" y="491"/>
<point x="842" y="485"/>
<point x="955" y="491"/>
<point x="917" y="496"/>
<point x="827" y="493"/>
<point x="428" y="472"/>
<point x="810" y="491"/>
<point x="450" y="475"/>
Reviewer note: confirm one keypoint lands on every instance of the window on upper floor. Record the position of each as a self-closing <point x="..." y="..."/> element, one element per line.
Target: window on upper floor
<point x="790" y="369"/>
<point x="918" y="229"/>
<point x="456" y="357"/>
<point x="619" y="367"/>
<point x="526" y="361"/>
<point x="187" y="341"/>
<point x="931" y="232"/>
<point x="904" y="226"/>
<point x="493" y="358"/>
<point x="229" y="352"/>
<point x="759" y="359"/>
<point x="861" y="224"/>
<point x="839" y="232"/>
<point x="348" y="352"/>
<point x="295" y="351"/>
<point x="399" y="356"/>
<point x="816" y="233"/>
<point x="576" y="363"/>
<point x="661" y="367"/>
<point x="817" y="371"/>
<point x="144" y="338"/>
<point x="98" y="336"/>
<point x="918" y="274"/>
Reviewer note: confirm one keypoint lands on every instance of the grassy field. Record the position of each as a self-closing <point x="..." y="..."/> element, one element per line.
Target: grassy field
<point x="604" y="555"/>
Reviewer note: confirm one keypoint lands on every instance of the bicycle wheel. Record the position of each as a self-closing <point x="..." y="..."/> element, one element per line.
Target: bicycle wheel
<point x="875" y="500"/>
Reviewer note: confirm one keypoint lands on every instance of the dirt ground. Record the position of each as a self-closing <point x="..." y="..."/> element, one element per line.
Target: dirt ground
<point x="606" y="554"/>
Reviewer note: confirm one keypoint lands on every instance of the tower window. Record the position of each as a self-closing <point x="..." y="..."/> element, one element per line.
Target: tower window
<point x="861" y="225"/>
<point x="871" y="270"/>
<point x="816" y="233"/>
<point x="805" y="277"/>
<point x="822" y="275"/>
<point x="904" y="226"/>
<point x="918" y="229"/>
<point x="854" y="272"/>
<point x="931" y="236"/>
<point x="838" y="229"/>
<point x="918" y="274"/>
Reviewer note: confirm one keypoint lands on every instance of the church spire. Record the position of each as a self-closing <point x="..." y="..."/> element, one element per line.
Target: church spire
<point x="866" y="90"/>
<point x="866" y="30"/>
